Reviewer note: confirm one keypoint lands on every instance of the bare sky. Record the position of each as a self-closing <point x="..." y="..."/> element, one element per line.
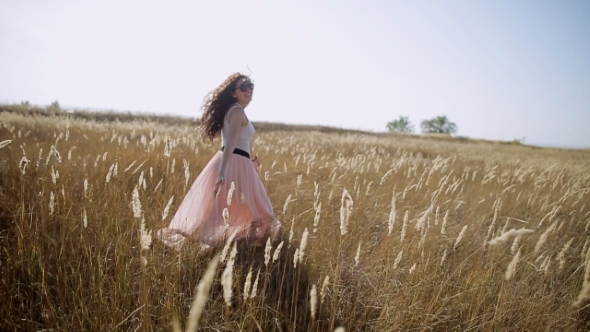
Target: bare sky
<point x="498" y="69"/>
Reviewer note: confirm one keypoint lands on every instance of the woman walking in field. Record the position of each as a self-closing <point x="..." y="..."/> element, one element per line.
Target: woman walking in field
<point x="227" y="199"/>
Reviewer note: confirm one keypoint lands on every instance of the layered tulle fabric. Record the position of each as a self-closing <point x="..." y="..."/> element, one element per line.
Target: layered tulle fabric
<point x="200" y="216"/>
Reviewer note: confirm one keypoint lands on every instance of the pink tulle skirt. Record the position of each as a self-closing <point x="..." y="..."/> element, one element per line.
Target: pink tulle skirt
<point x="200" y="216"/>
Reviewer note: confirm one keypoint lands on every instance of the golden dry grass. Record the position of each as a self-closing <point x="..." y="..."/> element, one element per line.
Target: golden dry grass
<point x="71" y="256"/>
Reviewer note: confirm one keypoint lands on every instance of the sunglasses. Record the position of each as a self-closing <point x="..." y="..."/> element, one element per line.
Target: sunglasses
<point x="245" y="86"/>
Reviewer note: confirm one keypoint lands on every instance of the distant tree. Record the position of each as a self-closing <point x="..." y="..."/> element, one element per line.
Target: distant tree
<point x="402" y="125"/>
<point x="55" y="105"/>
<point x="439" y="124"/>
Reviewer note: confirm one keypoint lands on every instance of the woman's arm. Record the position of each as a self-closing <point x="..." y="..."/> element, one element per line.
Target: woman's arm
<point x="235" y="119"/>
<point x="254" y="156"/>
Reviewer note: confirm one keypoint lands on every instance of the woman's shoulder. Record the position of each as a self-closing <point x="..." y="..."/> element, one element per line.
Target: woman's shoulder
<point x="235" y="110"/>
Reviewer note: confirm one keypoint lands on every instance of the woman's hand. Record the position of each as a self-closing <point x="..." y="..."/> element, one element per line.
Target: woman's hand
<point x="220" y="180"/>
<point x="256" y="163"/>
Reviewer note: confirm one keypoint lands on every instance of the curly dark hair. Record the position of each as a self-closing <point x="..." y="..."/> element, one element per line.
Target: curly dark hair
<point x="216" y="104"/>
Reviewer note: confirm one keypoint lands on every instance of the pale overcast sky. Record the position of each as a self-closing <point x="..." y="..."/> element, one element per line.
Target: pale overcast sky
<point x="499" y="69"/>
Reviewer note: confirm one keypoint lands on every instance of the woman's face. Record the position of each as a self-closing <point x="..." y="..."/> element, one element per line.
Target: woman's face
<point x="244" y="90"/>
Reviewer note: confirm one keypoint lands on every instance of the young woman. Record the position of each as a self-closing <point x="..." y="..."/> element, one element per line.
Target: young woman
<point x="227" y="199"/>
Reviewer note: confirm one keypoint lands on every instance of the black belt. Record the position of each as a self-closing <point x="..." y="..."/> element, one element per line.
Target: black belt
<point x="240" y="152"/>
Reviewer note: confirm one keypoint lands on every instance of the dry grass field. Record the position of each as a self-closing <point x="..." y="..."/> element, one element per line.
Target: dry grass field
<point x="381" y="233"/>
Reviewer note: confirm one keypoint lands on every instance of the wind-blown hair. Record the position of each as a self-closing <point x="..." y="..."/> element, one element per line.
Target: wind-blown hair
<point x="215" y="105"/>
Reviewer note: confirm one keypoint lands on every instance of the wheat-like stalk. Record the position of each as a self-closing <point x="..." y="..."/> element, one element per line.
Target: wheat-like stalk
<point x="392" y="214"/>
<point x="345" y="211"/>
<point x="277" y="252"/>
<point x="508" y="234"/>
<point x="227" y="276"/>
<point x="248" y="284"/>
<point x="202" y="296"/>
<point x="5" y="143"/>
<point x="461" y="234"/>
<point x="398" y="259"/>
<point x="512" y="266"/>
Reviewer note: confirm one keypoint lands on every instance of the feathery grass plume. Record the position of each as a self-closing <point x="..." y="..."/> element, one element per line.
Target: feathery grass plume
<point x="227" y="245"/>
<point x="436" y="216"/>
<point x="398" y="259"/>
<point x="5" y="143"/>
<point x="368" y="188"/>
<point x="267" y="250"/>
<point x="392" y="214"/>
<point x="583" y="296"/>
<point x="404" y="226"/>
<point x="413" y="268"/>
<point x="138" y="167"/>
<point x="357" y="257"/>
<point x="167" y="208"/>
<point x="230" y="193"/>
<point x="136" y="203"/>
<point x="544" y="236"/>
<point x="461" y="234"/>
<point x="84" y="218"/>
<point x="54" y="175"/>
<point x="443" y="227"/>
<point x="173" y="165"/>
<point x="140" y="181"/>
<point x="109" y="173"/>
<point x="345" y="211"/>
<point x="512" y="266"/>
<point x="299" y="179"/>
<point x="291" y="233"/>
<point x="545" y="265"/>
<point x="248" y="284"/>
<point x="22" y="165"/>
<point x="53" y="152"/>
<point x="295" y="258"/>
<point x="158" y="185"/>
<point x="384" y="177"/>
<point x="145" y="235"/>
<point x="104" y="156"/>
<point x="86" y="186"/>
<point x="444" y="256"/>
<point x="583" y="252"/>
<point x="514" y="246"/>
<point x="420" y="224"/>
<point x="255" y="286"/>
<point x="40" y="157"/>
<point x="167" y="147"/>
<point x="187" y="172"/>
<point x="225" y="215"/>
<point x="508" y="234"/>
<point x="286" y="205"/>
<point x="316" y="218"/>
<point x="202" y="296"/>
<point x="227" y="276"/>
<point x="151" y="172"/>
<point x="51" y="203"/>
<point x="561" y="256"/>
<point x="313" y="300"/>
<point x="324" y="288"/>
<point x="275" y="256"/>
<point x="130" y="165"/>
<point x="303" y="244"/>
